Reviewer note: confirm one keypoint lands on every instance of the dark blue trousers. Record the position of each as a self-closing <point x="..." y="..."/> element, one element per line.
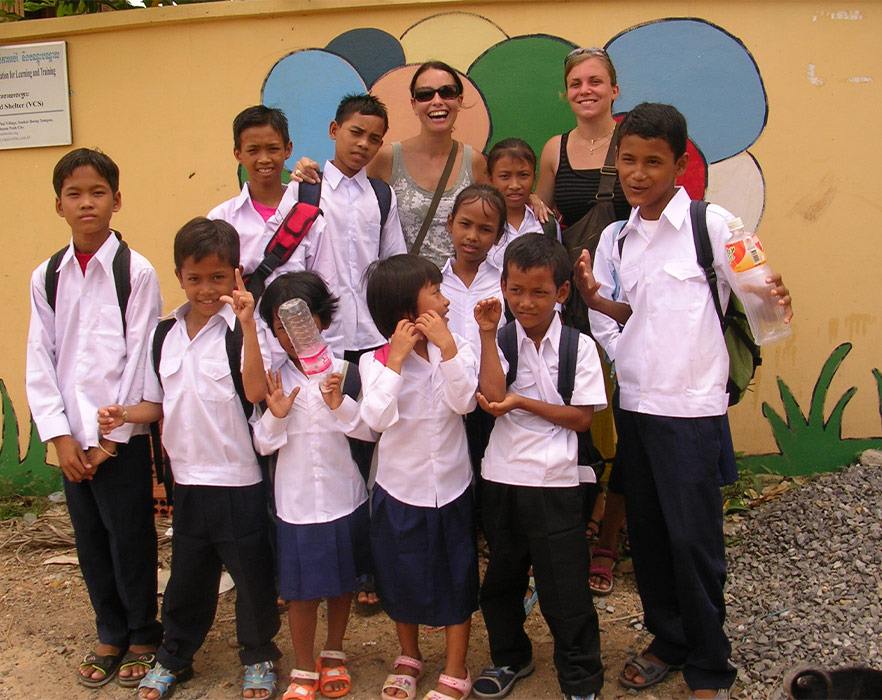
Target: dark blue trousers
<point x="112" y="517"/>
<point x="671" y="470"/>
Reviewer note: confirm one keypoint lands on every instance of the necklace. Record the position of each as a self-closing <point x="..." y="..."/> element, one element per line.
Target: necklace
<point x="599" y="141"/>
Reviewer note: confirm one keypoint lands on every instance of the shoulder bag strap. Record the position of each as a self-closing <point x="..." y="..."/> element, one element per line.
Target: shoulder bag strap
<point x="608" y="172"/>
<point x="436" y="200"/>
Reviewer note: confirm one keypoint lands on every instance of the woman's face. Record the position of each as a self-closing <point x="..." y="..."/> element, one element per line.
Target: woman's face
<point x="589" y="90"/>
<point x="438" y="113"/>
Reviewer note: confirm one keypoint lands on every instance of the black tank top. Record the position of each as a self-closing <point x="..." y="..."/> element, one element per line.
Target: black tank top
<point x="574" y="190"/>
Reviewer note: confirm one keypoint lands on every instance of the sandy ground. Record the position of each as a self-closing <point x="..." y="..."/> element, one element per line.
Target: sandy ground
<point x="46" y="626"/>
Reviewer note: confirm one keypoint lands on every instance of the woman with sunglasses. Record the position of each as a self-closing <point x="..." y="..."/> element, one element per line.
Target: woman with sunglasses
<point x="569" y="168"/>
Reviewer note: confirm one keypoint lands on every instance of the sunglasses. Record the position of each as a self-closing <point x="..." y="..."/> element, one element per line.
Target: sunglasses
<point x="590" y="51"/>
<point x="445" y="92"/>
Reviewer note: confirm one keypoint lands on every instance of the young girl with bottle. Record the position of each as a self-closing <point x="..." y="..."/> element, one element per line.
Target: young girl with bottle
<point x="416" y="390"/>
<point x="321" y="500"/>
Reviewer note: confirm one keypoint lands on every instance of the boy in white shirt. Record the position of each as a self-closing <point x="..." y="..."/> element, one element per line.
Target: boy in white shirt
<point x="672" y="366"/>
<point x="87" y="345"/>
<point x="220" y="514"/>
<point x="532" y="502"/>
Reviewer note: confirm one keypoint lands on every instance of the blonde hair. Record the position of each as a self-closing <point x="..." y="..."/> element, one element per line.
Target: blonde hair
<point x="577" y="56"/>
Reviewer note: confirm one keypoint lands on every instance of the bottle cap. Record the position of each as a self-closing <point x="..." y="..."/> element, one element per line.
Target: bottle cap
<point x="735" y="224"/>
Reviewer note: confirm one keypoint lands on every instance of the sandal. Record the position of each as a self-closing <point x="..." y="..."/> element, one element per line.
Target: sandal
<point x="132" y="659"/>
<point x="163" y="680"/>
<point x="260" y="676"/>
<point x="108" y="665"/>
<point x="531" y="597"/>
<point x="499" y="681"/>
<point x="401" y="681"/>
<point x="463" y="685"/>
<point x="366" y="584"/>
<point x="651" y="672"/>
<point x="592" y="529"/>
<point x="300" y="691"/>
<point x="601" y="571"/>
<point x="333" y="674"/>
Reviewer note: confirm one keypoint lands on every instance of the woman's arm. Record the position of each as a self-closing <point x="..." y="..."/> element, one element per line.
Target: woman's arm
<point x="548" y="163"/>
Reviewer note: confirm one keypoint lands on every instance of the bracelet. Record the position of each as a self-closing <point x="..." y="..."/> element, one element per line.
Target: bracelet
<point x="125" y="415"/>
<point x="109" y="454"/>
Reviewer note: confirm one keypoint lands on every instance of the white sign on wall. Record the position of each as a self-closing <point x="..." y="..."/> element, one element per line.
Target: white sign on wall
<point x="34" y="95"/>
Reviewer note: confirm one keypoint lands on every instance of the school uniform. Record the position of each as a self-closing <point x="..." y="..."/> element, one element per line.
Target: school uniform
<point x="532" y="514"/>
<point x="529" y="224"/>
<point x="422" y="533"/>
<point x="79" y="359"/>
<point x="321" y="499"/>
<point x="220" y="514"/>
<point x="672" y="367"/>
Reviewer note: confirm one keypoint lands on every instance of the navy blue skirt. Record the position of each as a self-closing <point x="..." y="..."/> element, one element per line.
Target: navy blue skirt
<point x="322" y="560"/>
<point x="425" y="560"/>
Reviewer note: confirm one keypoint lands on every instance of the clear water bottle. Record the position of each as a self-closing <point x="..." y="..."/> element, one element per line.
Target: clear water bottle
<point x="311" y="349"/>
<point x="748" y="261"/>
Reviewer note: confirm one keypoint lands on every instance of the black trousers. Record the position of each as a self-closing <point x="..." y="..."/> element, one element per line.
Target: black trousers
<point x="218" y="526"/>
<point x="671" y="472"/>
<point x="112" y="517"/>
<point x="542" y="527"/>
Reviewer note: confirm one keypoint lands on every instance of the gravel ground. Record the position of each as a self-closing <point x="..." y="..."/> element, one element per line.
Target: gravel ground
<point x="805" y="580"/>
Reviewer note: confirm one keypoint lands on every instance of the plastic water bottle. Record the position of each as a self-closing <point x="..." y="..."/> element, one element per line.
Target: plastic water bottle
<point x="312" y="351"/>
<point x="748" y="261"/>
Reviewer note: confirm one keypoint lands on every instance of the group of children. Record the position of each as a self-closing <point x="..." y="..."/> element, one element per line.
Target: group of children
<point x="432" y="347"/>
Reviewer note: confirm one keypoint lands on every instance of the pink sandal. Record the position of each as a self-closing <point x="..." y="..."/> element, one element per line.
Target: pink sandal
<point x="463" y="685"/>
<point x="401" y="681"/>
<point x="601" y="571"/>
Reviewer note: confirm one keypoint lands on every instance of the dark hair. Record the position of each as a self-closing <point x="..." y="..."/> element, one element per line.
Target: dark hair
<point x="260" y="115"/>
<point x="393" y="286"/>
<point x="651" y="120"/>
<point x="201" y="237"/>
<point x="365" y="104"/>
<point x="81" y="157"/>
<point x="518" y="149"/>
<point x="489" y="196"/>
<point x="305" y="285"/>
<point x="538" y="250"/>
<point x="437" y="65"/>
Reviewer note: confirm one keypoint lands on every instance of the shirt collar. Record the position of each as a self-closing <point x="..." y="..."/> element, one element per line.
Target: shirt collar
<point x="552" y="335"/>
<point x="333" y="176"/>
<point x="104" y="255"/>
<point x="676" y="212"/>
<point x="226" y="313"/>
<point x="287" y="201"/>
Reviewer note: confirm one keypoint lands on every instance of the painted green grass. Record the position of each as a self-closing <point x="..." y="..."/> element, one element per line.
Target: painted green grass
<point x="30" y="476"/>
<point x="811" y="443"/>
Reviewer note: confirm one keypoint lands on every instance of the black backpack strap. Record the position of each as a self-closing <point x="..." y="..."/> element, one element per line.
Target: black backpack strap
<point x="122" y="277"/>
<point x="234" y="340"/>
<point x="162" y="329"/>
<point x="52" y="277"/>
<point x="310" y="192"/>
<point x="704" y="252"/>
<point x="507" y="338"/>
<point x="351" y="380"/>
<point x="568" y="353"/>
<point x="549" y="228"/>
<point x="384" y="198"/>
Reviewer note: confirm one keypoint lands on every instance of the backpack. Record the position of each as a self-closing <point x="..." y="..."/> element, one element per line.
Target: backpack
<point x="744" y="353"/>
<point x="568" y="353"/>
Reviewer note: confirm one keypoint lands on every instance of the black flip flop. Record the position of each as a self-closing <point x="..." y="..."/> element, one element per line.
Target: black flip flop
<point x="108" y="665"/>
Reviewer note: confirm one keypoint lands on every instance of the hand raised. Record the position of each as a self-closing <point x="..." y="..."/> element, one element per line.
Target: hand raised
<point x="332" y="390"/>
<point x="583" y="277"/>
<point x="241" y="300"/>
<point x="487" y="314"/>
<point x="277" y="401"/>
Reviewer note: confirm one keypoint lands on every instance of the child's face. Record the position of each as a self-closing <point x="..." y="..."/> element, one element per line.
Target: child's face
<point x="648" y="171"/>
<point x="283" y="337"/>
<point x="87" y="203"/>
<point x="531" y="296"/>
<point x="356" y="141"/>
<point x="437" y="114"/>
<point x="430" y="298"/>
<point x="590" y="91"/>
<point x="474" y="229"/>
<point x="514" y="178"/>
<point x="262" y="153"/>
<point x="205" y="282"/>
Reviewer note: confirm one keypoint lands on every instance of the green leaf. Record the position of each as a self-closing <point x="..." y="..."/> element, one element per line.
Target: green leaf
<point x="822" y="386"/>
<point x="834" y="422"/>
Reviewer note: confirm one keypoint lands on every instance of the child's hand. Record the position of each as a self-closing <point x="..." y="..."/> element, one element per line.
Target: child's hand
<point x="487" y="314"/>
<point x="583" y="276"/>
<point x="241" y="301"/>
<point x="783" y="295"/>
<point x="499" y="408"/>
<point x="401" y="343"/>
<point x="540" y="209"/>
<point x="306" y="170"/>
<point x="277" y="401"/>
<point x="332" y="390"/>
<point x="72" y="460"/>
<point x="434" y="327"/>
<point x="110" y="418"/>
<point x="97" y="456"/>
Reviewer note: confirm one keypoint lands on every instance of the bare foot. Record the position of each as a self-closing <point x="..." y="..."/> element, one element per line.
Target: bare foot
<point x="367" y="598"/>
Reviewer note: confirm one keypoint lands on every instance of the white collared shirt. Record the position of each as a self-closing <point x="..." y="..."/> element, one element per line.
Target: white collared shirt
<point x="461" y="314"/>
<point x="204" y="428"/>
<point x="77" y="358"/>
<point x="524" y="449"/>
<point x="316" y="479"/>
<point x="422" y="455"/>
<point x="529" y="224"/>
<point x="605" y="330"/>
<point x="352" y="215"/>
<point x="671" y="359"/>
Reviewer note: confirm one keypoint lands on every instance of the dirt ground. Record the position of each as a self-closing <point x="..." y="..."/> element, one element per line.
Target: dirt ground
<point x="46" y="626"/>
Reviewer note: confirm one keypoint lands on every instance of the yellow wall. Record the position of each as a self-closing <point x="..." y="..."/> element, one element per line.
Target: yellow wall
<point x="157" y="89"/>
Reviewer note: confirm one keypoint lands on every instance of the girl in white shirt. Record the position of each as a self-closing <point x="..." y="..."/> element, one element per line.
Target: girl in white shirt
<point x="321" y="500"/>
<point x="416" y="390"/>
